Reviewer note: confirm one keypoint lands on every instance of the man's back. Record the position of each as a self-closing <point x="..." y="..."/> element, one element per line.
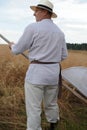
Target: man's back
<point x="48" y="42"/>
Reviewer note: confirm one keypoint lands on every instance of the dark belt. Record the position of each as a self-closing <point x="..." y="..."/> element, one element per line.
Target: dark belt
<point x="60" y="76"/>
<point x="40" y="62"/>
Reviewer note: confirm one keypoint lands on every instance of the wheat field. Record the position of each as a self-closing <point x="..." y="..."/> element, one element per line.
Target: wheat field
<point x="73" y="112"/>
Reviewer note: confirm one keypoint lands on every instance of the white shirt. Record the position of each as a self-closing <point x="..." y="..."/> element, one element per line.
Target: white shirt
<point x="46" y="43"/>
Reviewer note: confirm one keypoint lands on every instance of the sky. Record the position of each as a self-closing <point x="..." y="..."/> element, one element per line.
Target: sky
<point x="15" y="15"/>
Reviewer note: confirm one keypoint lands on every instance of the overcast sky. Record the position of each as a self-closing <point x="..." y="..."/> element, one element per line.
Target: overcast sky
<point x="15" y="15"/>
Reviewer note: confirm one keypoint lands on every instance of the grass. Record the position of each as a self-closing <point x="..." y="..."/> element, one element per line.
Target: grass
<point x="73" y="112"/>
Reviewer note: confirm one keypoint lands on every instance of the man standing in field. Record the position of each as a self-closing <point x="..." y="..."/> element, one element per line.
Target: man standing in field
<point x="47" y="48"/>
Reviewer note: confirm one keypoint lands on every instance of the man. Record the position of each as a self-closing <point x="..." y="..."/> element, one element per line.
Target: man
<point x="47" y="48"/>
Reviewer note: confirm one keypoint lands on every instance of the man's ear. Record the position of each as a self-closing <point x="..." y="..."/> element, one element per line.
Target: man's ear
<point x="45" y="12"/>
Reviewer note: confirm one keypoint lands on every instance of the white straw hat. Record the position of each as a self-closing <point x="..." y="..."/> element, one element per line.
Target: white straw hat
<point x="47" y="5"/>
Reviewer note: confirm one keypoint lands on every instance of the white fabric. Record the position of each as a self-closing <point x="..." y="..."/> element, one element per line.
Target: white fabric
<point x="46" y="74"/>
<point x="46" y="43"/>
<point x="34" y="95"/>
<point x="44" y="40"/>
<point x="77" y="76"/>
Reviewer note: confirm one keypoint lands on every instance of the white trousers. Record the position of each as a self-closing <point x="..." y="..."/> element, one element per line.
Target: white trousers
<point x="34" y="94"/>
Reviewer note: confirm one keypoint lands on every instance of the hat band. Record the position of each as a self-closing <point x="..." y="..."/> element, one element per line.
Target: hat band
<point x="46" y="7"/>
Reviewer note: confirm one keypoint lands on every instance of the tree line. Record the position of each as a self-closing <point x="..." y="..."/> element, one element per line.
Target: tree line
<point x="76" y="46"/>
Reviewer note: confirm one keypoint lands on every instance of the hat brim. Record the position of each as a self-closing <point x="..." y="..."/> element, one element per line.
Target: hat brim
<point x="54" y="15"/>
